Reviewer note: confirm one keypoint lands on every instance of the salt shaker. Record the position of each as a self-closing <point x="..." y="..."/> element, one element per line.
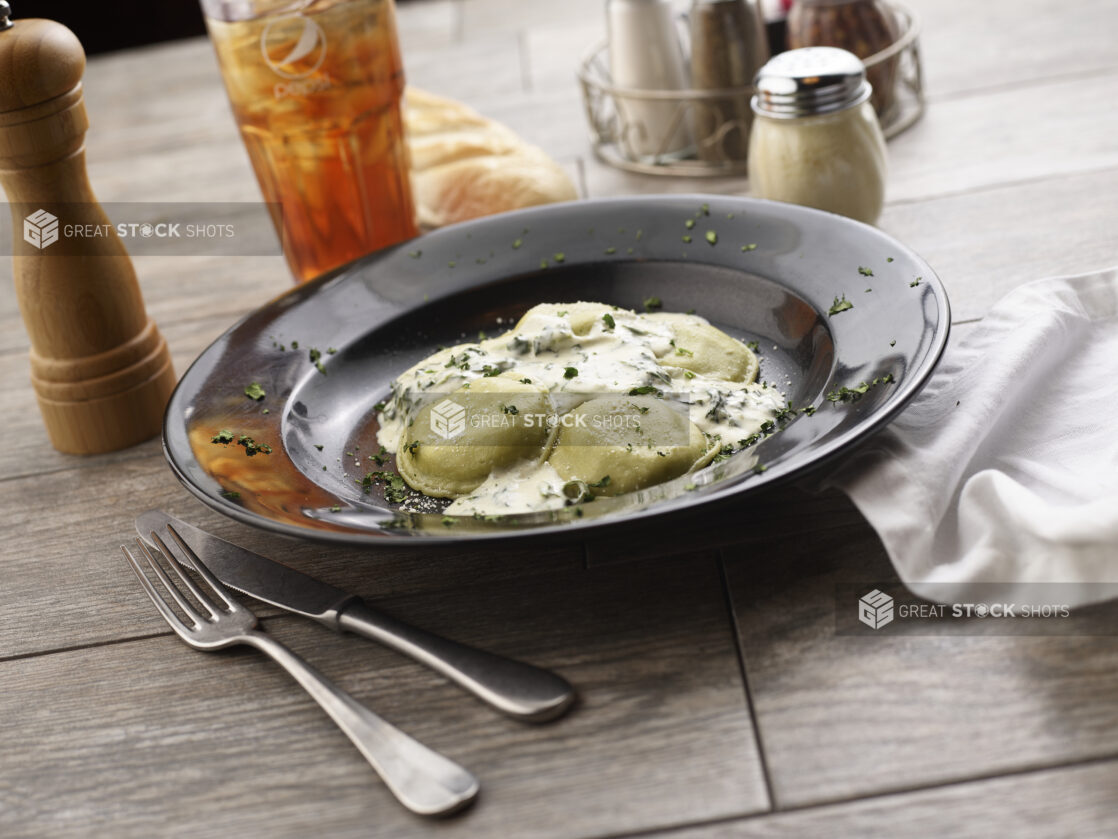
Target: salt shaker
<point x="728" y="45"/>
<point x="815" y="139"/>
<point x="646" y="56"/>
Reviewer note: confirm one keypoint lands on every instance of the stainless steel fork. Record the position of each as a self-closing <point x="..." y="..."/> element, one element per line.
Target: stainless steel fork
<point x="423" y="780"/>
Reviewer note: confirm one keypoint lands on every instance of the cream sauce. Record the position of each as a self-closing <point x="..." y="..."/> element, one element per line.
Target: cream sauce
<point x="633" y="352"/>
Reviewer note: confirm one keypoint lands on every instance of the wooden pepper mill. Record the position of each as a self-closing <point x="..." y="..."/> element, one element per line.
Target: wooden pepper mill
<point x="99" y="366"/>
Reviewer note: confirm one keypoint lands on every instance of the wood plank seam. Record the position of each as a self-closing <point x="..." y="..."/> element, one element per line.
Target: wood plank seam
<point x="79" y="647"/>
<point x="1050" y="78"/>
<point x="742" y="670"/>
<point x="83" y="462"/>
<point x="525" y="62"/>
<point x="999" y="185"/>
<point x="837" y="803"/>
<point x="255" y="605"/>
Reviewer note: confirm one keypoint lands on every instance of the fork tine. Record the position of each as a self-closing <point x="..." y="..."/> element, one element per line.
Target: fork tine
<point x="218" y="587"/>
<point x="202" y="597"/>
<point x="171" y="588"/>
<point x="168" y="613"/>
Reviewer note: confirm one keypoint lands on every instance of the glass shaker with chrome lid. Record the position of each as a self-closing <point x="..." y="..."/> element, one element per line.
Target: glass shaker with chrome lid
<point x="815" y="139"/>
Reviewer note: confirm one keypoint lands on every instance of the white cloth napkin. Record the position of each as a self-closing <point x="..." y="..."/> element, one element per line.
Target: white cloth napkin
<point x="1005" y="468"/>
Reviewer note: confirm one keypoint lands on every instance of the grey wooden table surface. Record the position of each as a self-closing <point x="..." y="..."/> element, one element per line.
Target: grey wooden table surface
<point x="716" y="698"/>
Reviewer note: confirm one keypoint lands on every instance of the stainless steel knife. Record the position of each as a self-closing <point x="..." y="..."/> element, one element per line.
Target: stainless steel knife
<point x="518" y="689"/>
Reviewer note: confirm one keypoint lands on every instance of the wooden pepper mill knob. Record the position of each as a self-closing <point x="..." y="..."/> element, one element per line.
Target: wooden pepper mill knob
<point x="99" y="366"/>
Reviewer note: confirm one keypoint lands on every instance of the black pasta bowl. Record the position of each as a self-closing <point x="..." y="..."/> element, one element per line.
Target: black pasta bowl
<point x="325" y="353"/>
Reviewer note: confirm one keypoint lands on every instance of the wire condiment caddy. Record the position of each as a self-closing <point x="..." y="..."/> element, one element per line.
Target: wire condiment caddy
<point x="621" y="139"/>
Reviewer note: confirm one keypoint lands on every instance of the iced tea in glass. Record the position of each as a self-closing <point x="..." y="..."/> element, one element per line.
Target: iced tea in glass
<point x="315" y="87"/>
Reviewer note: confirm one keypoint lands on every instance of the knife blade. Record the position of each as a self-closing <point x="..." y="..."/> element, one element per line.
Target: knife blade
<point x="518" y="689"/>
<point x="252" y="574"/>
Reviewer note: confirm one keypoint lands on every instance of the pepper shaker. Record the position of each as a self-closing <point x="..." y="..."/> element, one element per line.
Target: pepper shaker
<point x="816" y="140"/>
<point x="99" y="366"/>
<point x="728" y="46"/>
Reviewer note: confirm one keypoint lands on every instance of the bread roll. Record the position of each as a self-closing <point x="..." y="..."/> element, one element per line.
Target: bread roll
<point x="465" y="166"/>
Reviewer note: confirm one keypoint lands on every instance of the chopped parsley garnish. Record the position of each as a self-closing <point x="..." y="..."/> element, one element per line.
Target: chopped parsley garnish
<point x="841" y="304"/>
<point x="489" y="371"/>
<point x="570" y="372"/>
<point x="255" y="391"/>
<point x="759" y="468"/>
<point x="223" y="436"/>
<point x="689" y="223"/>
<point x="415" y="254"/>
<point x="611" y="250"/>
<point x="865" y="272"/>
<point x="379" y="407"/>
<point x="231" y="494"/>
<point x="915" y="282"/>
<point x="682" y="351"/>
<point x="510" y="409"/>
<point x="687" y="239"/>
<point x="893" y="343"/>
<point x="517" y="243"/>
<point x="448" y="521"/>
<point x="318" y="446"/>
<point x="643" y="389"/>
<point x="712" y="237"/>
<point x="336" y="508"/>
<point x="604" y="482"/>
<point x="607" y="318"/>
<point x="526" y="381"/>
<point x="808" y="410"/>
<point x="705" y="209"/>
<point x="753" y="345"/>
<point x="749" y="247"/>
<point x="252" y="447"/>
<point x="853" y="394"/>
<point x="888" y="259"/>
<point x="294" y="345"/>
<point x="395" y="490"/>
<point x="784" y="415"/>
<point x="651" y="304"/>
<point x="559" y="257"/>
<point x="412" y="446"/>
<point x="687" y="374"/>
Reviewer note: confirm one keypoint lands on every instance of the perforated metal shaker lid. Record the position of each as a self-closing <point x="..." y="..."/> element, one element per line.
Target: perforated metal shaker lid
<point x="810" y="81"/>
